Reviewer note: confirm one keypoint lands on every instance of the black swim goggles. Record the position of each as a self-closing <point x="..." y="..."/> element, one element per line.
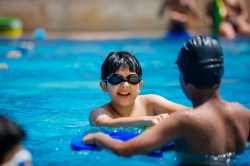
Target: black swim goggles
<point x="117" y="79"/>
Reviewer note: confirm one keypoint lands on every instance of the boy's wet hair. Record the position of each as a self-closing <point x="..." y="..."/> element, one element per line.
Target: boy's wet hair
<point x="201" y="61"/>
<point x="124" y="59"/>
<point x="10" y="136"/>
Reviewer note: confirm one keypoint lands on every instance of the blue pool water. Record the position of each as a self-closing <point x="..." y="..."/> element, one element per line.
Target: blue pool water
<point x="52" y="88"/>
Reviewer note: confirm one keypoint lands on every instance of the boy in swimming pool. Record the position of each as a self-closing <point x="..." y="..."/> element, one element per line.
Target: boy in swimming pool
<point x="122" y="80"/>
<point x="213" y="127"/>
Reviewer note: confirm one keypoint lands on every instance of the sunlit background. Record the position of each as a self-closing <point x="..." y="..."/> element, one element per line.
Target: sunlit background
<point x="87" y="19"/>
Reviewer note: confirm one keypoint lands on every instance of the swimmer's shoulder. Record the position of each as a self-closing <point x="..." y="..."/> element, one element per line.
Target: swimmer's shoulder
<point x="235" y="106"/>
<point x="99" y="115"/>
<point x="104" y="109"/>
<point x="151" y="99"/>
<point x="239" y="108"/>
<point x="193" y="115"/>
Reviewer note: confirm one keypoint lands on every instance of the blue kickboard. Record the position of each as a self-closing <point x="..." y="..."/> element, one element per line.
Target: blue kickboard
<point x="76" y="143"/>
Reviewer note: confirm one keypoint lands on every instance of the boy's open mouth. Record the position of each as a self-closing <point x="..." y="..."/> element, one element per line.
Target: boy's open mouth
<point x="124" y="94"/>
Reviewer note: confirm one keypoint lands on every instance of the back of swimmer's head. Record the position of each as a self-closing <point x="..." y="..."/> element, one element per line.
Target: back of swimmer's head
<point x="123" y="59"/>
<point x="10" y="136"/>
<point x="201" y="61"/>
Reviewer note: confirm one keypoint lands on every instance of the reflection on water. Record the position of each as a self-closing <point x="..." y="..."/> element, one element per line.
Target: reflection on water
<point x="197" y="159"/>
<point x="50" y="90"/>
<point x="120" y="129"/>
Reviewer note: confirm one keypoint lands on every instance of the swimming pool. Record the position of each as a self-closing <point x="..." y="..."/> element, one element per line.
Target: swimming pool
<point x="51" y="89"/>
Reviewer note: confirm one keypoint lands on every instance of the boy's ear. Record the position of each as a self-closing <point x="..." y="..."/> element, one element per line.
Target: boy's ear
<point x="221" y="80"/>
<point x="140" y="84"/>
<point x="184" y="84"/>
<point x="103" y="86"/>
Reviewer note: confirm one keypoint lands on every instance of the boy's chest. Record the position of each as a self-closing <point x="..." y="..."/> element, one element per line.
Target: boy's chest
<point x="142" y="111"/>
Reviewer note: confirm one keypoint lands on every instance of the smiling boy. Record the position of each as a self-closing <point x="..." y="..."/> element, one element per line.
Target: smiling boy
<point x="122" y="80"/>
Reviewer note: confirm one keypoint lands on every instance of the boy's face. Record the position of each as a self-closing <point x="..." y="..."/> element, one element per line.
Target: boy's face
<point x="123" y="94"/>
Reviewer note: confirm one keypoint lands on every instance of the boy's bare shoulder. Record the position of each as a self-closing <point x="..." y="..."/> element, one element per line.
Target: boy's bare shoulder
<point x="186" y="116"/>
<point x="238" y="108"/>
<point x="238" y="105"/>
<point x="151" y="98"/>
<point x="104" y="109"/>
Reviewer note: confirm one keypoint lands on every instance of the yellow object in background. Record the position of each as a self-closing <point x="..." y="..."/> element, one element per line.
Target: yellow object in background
<point x="147" y="127"/>
<point x="218" y="14"/>
<point x="11" y="27"/>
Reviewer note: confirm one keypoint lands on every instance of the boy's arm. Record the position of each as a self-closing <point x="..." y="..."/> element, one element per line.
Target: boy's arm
<point x="150" y="140"/>
<point x="161" y="105"/>
<point x="102" y="117"/>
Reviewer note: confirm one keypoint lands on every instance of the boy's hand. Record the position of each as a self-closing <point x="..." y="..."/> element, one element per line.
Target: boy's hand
<point x="154" y="120"/>
<point x="88" y="139"/>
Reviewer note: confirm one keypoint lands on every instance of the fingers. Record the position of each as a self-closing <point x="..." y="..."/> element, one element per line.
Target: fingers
<point x="159" y="118"/>
<point x="164" y="116"/>
<point x="88" y="139"/>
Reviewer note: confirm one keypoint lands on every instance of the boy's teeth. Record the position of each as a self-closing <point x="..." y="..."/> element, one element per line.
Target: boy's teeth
<point x="123" y="93"/>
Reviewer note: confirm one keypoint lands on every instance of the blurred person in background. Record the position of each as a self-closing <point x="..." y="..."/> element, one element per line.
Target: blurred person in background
<point x="179" y="13"/>
<point x="11" y="151"/>
<point x="227" y="17"/>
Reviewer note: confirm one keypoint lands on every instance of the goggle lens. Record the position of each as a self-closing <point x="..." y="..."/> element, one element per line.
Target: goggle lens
<point x="134" y="80"/>
<point x="114" y="80"/>
<point x="117" y="79"/>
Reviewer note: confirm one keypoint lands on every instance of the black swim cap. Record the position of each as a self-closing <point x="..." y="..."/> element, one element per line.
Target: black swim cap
<point x="201" y="61"/>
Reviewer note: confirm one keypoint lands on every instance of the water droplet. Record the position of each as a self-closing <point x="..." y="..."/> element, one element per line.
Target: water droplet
<point x="56" y="148"/>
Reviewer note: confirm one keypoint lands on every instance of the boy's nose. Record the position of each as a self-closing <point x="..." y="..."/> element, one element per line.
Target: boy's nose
<point x="124" y="84"/>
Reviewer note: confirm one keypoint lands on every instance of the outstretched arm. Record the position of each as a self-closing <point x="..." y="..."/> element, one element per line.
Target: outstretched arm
<point x="161" y="105"/>
<point x="102" y="117"/>
<point x="167" y="131"/>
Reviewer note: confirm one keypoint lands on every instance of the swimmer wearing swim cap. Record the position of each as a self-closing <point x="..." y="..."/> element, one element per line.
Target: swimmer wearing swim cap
<point x="201" y="62"/>
<point x="213" y="127"/>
